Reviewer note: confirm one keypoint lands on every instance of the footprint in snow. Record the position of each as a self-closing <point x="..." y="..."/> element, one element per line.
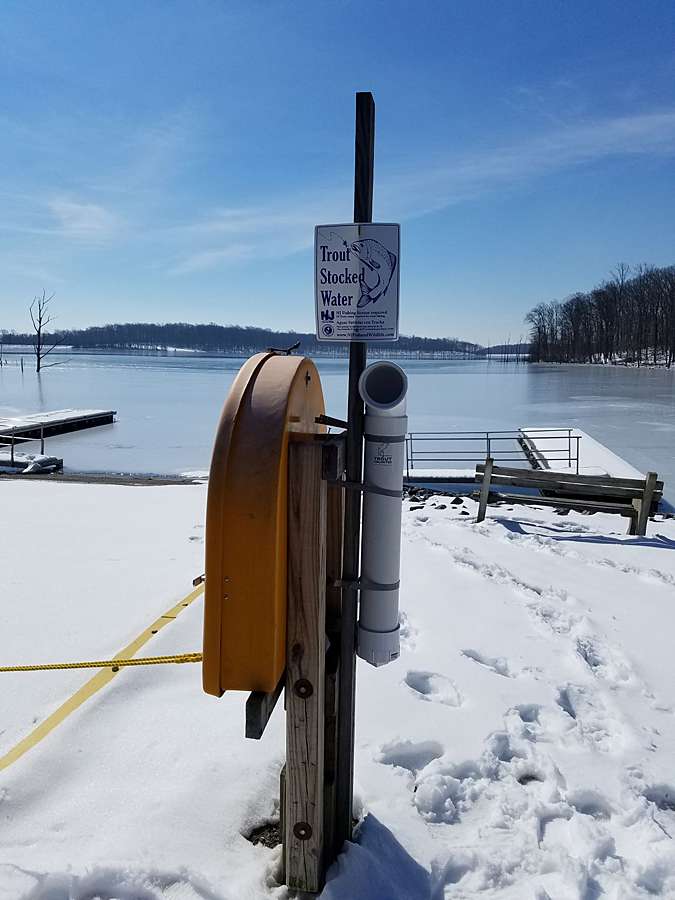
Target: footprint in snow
<point x="605" y="662"/>
<point x="408" y="633"/>
<point x="589" y="803"/>
<point x="661" y="795"/>
<point x="410" y="755"/>
<point x="529" y="713"/>
<point x="497" y="664"/>
<point x="595" y="723"/>
<point x="434" y="687"/>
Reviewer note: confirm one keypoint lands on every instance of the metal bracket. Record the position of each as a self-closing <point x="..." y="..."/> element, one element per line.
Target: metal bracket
<point x="330" y="420"/>
<point x="364" y="584"/>
<point x="367" y="488"/>
<point x="385" y="438"/>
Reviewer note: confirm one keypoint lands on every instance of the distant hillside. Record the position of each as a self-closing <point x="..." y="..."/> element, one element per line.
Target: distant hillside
<point x="234" y="339"/>
<point x="511" y="350"/>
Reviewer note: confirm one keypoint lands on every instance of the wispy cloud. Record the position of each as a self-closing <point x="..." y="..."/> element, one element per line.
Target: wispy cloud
<point x="113" y="182"/>
<point x="285" y="227"/>
<point x="441" y="185"/>
<point x="61" y="217"/>
<point x="134" y="195"/>
<point x="234" y="235"/>
<point x="208" y="259"/>
<point x="77" y="219"/>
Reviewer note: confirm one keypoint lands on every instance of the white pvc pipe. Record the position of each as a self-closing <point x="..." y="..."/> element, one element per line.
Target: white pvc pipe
<point x="383" y="387"/>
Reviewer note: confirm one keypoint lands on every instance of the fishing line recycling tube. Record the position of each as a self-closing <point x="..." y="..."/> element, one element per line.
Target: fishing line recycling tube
<point x="383" y="387"/>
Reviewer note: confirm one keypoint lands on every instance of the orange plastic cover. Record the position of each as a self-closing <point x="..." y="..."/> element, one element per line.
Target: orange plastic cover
<point x="245" y="592"/>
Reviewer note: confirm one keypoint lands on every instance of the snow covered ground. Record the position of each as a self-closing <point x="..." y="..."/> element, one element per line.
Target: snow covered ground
<point x="521" y="748"/>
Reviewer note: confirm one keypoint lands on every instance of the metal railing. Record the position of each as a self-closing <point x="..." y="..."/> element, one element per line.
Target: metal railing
<point x="442" y="449"/>
<point x="557" y="453"/>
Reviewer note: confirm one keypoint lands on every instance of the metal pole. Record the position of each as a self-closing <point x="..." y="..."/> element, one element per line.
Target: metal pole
<point x="363" y="212"/>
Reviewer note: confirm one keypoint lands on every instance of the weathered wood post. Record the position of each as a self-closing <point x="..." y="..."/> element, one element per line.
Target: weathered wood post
<point x="644" y="504"/>
<point x="485" y="489"/>
<point x="333" y="470"/>
<point x="305" y="665"/>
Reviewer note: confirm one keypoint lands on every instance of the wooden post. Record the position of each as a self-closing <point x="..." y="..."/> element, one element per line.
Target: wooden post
<point x="282" y="820"/>
<point x="334" y="536"/>
<point x="364" y="152"/>
<point x="485" y="489"/>
<point x="305" y="662"/>
<point x="646" y="504"/>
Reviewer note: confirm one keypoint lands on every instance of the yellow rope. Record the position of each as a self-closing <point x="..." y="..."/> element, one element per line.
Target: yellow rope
<point x="113" y="664"/>
<point x="109" y="669"/>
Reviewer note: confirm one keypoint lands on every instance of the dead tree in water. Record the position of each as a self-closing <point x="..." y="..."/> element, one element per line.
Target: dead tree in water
<point x="41" y="317"/>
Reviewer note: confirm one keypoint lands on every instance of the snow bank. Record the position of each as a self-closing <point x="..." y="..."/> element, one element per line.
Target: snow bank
<point x="449" y="474"/>
<point x="521" y="747"/>
<point x="27" y="462"/>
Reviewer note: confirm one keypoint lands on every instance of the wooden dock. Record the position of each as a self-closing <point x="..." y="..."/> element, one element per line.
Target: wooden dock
<point x="38" y="426"/>
<point x="19" y="430"/>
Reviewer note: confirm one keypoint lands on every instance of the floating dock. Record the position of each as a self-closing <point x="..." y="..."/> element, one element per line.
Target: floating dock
<point x="16" y="431"/>
<point x="36" y="426"/>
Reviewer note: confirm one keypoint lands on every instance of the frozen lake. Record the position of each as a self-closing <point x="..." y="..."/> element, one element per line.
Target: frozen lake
<point x="168" y="406"/>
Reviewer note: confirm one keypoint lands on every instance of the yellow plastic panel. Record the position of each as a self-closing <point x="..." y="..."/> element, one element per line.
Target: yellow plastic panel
<point x="245" y="592"/>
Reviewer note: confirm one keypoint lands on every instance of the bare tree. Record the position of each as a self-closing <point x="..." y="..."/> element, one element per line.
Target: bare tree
<point x="630" y="318"/>
<point x="41" y="317"/>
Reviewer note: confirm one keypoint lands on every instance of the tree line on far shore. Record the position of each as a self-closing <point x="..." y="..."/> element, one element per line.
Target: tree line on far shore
<point x="234" y="339"/>
<point x="629" y="318"/>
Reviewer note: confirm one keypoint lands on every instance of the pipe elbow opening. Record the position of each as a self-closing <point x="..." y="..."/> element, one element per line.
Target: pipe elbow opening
<point x="383" y="385"/>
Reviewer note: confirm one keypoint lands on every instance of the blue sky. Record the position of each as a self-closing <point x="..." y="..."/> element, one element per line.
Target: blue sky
<point x="167" y="161"/>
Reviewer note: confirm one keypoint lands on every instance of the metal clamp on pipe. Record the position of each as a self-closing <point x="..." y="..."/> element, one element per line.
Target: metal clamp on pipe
<point x="383" y="387"/>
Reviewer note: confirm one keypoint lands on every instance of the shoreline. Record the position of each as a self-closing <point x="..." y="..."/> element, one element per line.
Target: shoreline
<point x="129" y="479"/>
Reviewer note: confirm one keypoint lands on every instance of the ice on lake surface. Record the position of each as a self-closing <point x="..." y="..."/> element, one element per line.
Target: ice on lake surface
<point x="168" y="405"/>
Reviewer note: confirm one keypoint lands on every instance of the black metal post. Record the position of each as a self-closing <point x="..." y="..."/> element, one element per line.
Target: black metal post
<point x="363" y="212"/>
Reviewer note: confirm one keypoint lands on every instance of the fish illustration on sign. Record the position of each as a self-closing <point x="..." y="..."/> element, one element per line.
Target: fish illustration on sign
<point x="379" y="260"/>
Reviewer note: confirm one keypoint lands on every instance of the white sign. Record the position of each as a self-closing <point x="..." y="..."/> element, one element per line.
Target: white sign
<point x="356" y="281"/>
